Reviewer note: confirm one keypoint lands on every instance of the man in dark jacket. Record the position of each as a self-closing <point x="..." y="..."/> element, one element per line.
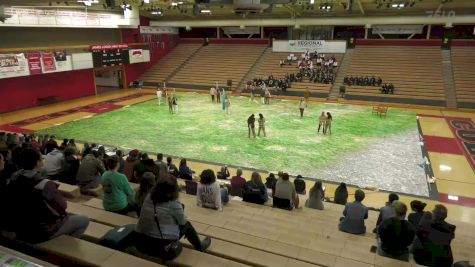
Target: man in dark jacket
<point x="36" y="211"/>
<point x="434" y="236"/>
<point x="299" y="184"/>
<point x="396" y="234"/>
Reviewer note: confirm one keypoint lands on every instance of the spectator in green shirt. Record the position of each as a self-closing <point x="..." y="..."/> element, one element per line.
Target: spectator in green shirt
<point x="118" y="195"/>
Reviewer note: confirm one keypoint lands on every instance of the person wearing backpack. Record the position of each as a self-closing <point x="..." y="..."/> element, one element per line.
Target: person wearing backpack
<point x="34" y="208"/>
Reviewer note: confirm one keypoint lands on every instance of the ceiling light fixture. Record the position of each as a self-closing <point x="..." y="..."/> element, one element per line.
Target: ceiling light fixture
<point x="205" y="11"/>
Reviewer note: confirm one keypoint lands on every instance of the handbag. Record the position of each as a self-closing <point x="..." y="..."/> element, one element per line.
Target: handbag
<point x="119" y="238"/>
<point x="170" y="251"/>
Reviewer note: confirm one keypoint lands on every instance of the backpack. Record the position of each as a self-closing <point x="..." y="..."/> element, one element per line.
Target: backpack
<point x="29" y="214"/>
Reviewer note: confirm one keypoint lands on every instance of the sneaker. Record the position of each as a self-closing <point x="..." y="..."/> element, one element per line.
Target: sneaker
<point x="205" y="243"/>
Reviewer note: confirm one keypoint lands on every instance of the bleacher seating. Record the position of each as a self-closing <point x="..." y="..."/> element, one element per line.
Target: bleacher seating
<point x="270" y="65"/>
<point x="168" y="64"/>
<point x="416" y="73"/>
<point x="217" y="63"/>
<point x="463" y="65"/>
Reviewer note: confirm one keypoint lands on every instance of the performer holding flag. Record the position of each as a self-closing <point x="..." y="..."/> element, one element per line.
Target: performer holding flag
<point x="223" y="99"/>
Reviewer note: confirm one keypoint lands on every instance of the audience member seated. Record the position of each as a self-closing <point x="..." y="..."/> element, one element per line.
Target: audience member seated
<point x="184" y="172"/>
<point x="70" y="166"/>
<point x="162" y="166"/>
<point x="270" y="181"/>
<point x="89" y="173"/>
<point x="341" y="194"/>
<point x="299" y="184"/>
<point x="387" y="211"/>
<point x="418" y="212"/>
<point x="387" y="88"/>
<point x="396" y="234"/>
<point x="255" y="185"/>
<point x="172" y="169"/>
<point x="33" y="208"/>
<point x="223" y="174"/>
<point x="284" y="189"/>
<point x="354" y="215"/>
<point x="146" y="185"/>
<point x="118" y="195"/>
<point x="434" y="235"/>
<point x="120" y="154"/>
<point x="238" y="183"/>
<point x="362" y="81"/>
<point x="53" y="160"/>
<point x="316" y="196"/>
<point x="209" y="194"/>
<point x="130" y="162"/>
<point x="162" y="222"/>
<point x="146" y="164"/>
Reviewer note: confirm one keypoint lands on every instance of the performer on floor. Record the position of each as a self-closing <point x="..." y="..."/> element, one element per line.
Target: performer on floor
<point x="302" y="106"/>
<point x="262" y="127"/>
<point x="252" y="91"/>
<point x="159" y="95"/>
<point x="321" y="122"/>
<point x="328" y="124"/>
<point x="267" y="96"/>
<point x="228" y="104"/>
<point x="175" y="104"/>
<point x="218" y="95"/>
<point x="212" y="92"/>
<point x="170" y="104"/>
<point x="250" y="125"/>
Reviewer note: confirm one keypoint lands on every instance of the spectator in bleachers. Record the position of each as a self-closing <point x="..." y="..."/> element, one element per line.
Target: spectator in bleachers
<point x="34" y="208"/>
<point x="238" y="183"/>
<point x="209" y="194"/>
<point x="146" y="185"/>
<point x="256" y="185"/>
<point x="396" y="234"/>
<point x="172" y="169"/>
<point x="434" y="236"/>
<point x="315" y="198"/>
<point x="53" y="161"/>
<point x="162" y="166"/>
<point x="299" y="184"/>
<point x="223" y="174"/>
<point x="418" y="212"/>
<point x="3" y="180"/>
<point x="270" y="181"/>
<point x="354" y="215"/>
<point x="130" y="162"/>
<point x="387" y="211"/>
<point x="70" y="166"/>
<point x="284" y="189"/>
<point x="341" y="194"/>
<point x="162" y="221"/>
<point x="85" y="150"/>
<point x="118" y="195"/>
<point x="184" y="172"/>
<point x="146" y="164"/>
<point x="120" y="154"/>
<point x="89" y="172"/>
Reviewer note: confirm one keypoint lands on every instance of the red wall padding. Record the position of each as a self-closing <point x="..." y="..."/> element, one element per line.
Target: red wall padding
<point x="399" y="42"/>
<point x="22" y="92"/>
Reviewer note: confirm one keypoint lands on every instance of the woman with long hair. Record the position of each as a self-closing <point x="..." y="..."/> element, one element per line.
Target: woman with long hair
<point x="262" y="127"/>
<point x="184" y="172"/>
<point x="209" y="194"/>
<point x="315" y="199"/>
<point x="256" y="185"/>
<point x="328" y="123"/>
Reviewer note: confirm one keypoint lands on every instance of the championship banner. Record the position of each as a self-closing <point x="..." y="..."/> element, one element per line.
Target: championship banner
<point x="109" y="47"/>
<point x="34" y="63"/>
<point x="158" y="30"/>
<point x="239" y="30"/>
<point x="306" y="45"/>
<point x="48" y="61"/>
<point x="12" y="65"/>
<point x="397" y="29"/>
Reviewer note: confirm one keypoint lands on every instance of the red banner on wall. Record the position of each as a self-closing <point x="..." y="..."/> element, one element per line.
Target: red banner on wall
<point x="109" y="47"/>
<point x="48" y="61"/>
<point x="34" y="63"/>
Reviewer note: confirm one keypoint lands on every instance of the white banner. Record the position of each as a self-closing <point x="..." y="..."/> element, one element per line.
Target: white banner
<point x="28" y="17"/>
<point x="238" y="30"/>
<point x="158" y="30"/>
<point x="301" y="46"/>
<point x="397" y="29"/>
<point x="138" y="56"/>
<point x="82" y="61"/>
<point x="13" y="65"/>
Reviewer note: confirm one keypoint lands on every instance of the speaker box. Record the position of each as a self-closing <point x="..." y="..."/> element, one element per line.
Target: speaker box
<point x="230" y="82"/>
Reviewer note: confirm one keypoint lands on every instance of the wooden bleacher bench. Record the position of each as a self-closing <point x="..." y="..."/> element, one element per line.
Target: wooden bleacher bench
<point x="4" y="251"/>
<point x="67" y="190"/>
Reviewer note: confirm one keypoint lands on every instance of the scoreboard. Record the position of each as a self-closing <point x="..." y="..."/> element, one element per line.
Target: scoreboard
<point x="110" y="55"/>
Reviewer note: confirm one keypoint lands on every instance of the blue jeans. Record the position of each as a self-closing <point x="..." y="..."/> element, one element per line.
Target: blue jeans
<point x="224" y="195"/>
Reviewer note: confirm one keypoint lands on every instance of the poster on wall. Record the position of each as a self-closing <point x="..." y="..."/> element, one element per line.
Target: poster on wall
<point x="34" y="63"/>
<point x="48" y="61"/>
<point x="13" y="65"/>
<point x="306" y="45"/>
